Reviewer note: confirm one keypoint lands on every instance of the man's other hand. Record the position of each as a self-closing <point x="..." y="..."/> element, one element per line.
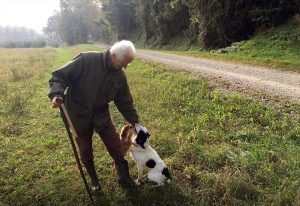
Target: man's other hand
<point x="55" y="102"/>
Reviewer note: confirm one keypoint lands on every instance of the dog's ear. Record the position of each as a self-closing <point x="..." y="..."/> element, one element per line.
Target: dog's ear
<point x="141" y="138"/>
<point x="124" y="131"/>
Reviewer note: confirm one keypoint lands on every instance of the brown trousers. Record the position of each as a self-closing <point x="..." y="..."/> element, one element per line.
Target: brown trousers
<point x="109" y="137"/>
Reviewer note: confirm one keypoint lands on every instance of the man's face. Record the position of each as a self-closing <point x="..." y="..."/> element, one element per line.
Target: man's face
<point x="119" y="64"/>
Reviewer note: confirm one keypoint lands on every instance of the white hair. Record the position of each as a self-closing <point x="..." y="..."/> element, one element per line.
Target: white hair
<point x="121" y="48"/>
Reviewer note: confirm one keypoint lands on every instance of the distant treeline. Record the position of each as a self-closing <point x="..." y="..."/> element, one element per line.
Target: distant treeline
<point x="208" y="24"/>
<point x="22" y="44"/>
<point x="9" y="33"/>
<point x="20" y="37"/>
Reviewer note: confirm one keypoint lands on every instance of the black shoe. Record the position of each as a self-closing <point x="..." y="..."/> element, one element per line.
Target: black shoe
<point x="95" y="187"/>
<point x="90" y="168"/>
<point x="123" y="176"/>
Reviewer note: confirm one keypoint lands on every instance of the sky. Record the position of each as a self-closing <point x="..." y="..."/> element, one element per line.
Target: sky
<point x="32" y="14"/>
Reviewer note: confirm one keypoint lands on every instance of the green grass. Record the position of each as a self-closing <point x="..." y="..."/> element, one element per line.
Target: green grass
<point x="276" y="48"/>
<point x="221" y="150"/>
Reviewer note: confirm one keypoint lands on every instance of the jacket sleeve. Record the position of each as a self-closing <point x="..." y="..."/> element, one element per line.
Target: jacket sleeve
<point x="65" y="76"/>
<point x="124" y="103"/>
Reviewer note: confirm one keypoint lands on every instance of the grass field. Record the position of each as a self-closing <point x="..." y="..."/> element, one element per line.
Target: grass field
<point x="221" y="150"/>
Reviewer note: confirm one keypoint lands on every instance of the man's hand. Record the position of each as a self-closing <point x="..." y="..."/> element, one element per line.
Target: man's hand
<point x="139" y="127"/>
<point x="56" y="101"/>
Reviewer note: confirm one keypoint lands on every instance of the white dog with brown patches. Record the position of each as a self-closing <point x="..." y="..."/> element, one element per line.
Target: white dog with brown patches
<point x="144" y="155"/>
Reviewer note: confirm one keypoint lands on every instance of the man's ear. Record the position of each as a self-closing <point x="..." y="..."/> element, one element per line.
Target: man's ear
<point x="113" y="57"/>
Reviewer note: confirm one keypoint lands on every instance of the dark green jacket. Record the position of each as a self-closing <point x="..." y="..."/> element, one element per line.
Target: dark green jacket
<point x="91" y="83"/>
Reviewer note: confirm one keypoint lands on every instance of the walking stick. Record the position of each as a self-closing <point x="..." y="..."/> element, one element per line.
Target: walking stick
<point x="68" y="124"/>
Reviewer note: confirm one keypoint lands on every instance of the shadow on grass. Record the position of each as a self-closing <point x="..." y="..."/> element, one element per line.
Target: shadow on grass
<point x="145" y="195"/>
<point x="100" y="198"/>
<point x="148" y="195"/>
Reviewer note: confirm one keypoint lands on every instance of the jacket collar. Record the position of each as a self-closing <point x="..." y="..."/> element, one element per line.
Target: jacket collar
<point x="107" y="62"/>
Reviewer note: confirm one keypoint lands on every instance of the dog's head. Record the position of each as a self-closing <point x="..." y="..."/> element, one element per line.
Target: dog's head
<point x="141" y="139"/>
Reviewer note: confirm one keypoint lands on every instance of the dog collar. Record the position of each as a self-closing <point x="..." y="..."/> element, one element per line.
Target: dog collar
<point x="135" y="144"/>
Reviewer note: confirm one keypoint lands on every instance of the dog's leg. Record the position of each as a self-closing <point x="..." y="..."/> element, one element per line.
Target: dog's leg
<point x="157" y="178"/>
<point x="158" y="185"/>
<point x="140" y="173"/>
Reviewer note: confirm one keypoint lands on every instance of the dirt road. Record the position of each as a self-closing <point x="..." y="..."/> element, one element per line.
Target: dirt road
<point x="235" y="77"/>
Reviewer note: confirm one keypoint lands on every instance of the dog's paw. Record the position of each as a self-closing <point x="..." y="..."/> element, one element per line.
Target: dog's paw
<point x="137" y="182"/>
<point x="155" y="186"/>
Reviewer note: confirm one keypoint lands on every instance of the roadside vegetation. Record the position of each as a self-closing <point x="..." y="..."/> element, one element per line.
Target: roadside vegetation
<point x="276" y="47"/>
<point x="221" y="149"/>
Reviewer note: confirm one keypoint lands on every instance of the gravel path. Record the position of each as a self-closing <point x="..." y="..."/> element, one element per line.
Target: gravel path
<point x="242" y="78"/>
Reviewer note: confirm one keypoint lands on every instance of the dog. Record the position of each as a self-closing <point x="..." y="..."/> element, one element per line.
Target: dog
<point x="144" y="155"/>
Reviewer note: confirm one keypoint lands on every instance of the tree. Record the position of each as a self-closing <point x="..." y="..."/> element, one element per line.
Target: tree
<point x="209" y="24"/>
<point x="75" y="21"/>
<point x="218" y="23"/>
<point x="119" y="14"/>
<point x="170" y="19"/>
<point x="51" y="31"/>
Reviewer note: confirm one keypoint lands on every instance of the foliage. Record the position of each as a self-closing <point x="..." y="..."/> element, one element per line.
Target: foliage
<point x="171" y="21"/>
<point x="119" y="15"/>
<point x="51" y="31"/>
<point x="275" y="47"/>
<point x="207" y="24"/>
<point x="147" y="26"/>
<point x="212" y="24"/>
<point x="218" y="23"/>
<point x="75" y="21"/>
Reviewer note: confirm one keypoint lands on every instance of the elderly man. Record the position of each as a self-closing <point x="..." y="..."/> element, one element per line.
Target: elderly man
<point x="90" y="81"/>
